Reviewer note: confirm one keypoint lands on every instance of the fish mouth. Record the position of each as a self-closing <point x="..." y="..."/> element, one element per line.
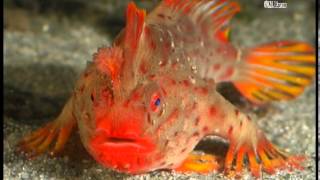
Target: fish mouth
<point x="118" y="143"/>
<point x="120" y="140"/>
<point x="125" y="142"/>
<point x="125" y="152"/>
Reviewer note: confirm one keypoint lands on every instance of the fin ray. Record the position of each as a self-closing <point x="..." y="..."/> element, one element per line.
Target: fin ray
<point x="134" y="28"/>
<point x="276" y="71"/>
<point x="214" y="15"/>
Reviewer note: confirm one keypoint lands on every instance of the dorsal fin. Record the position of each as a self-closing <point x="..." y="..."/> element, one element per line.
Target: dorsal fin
<point x="110" y="60"/>
<point x="219" y="12"/>
<point x="134" y="28"/>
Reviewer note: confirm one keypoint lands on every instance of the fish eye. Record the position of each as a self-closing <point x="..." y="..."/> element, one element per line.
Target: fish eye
<point x="155" y="102"/>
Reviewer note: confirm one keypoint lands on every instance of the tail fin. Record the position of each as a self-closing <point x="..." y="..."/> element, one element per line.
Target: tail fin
<point x="276" y="71"/>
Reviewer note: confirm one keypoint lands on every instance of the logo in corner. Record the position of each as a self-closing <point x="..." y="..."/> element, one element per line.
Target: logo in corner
<point x="274" y="4"/>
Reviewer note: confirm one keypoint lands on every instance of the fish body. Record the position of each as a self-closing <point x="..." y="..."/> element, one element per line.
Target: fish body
<point x="146" y="102"/>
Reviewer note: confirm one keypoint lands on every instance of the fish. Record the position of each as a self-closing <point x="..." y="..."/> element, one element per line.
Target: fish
<point x="147" y="100"/>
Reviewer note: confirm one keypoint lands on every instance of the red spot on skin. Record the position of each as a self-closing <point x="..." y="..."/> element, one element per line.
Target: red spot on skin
<point x="106" y="97"/>
<point x="228" y="73"/>
<point x="149" y="118"/>
<point x="163" y="163"/>
<point x="195" y="134"/>
<point x="161" y="16"/>
<point x="204" y="90"/>
<point x="166" y="143"/>
<point x="105" y="92"/>
<point x="92" y="97"/>
<point x="143" y="68"/>
<point x="197" y="121"/>
<point x="81" y="89"/>
<point x="212" y="110"/>
<point x="183" y="150"/>
<point x="176" y="134"/>
<point x="175" y="65"/>
<point x="186" y="83"/>
<point x="152" y="76"/>
<point x="205" y="129"/>
<point x="166" y="47"/>
<point x="85" y="74"/>
<point x="126" y="103"/>
<point x="147" y="31"/>
<point x="194" y="106"/>
<point x="152" y="44"/>
<point x="237" y="112"/>
<point x="216" y="67"/>
<point x="136" y="96"/>
<point x="173" y="82"/>
<point x="230" y="130"/>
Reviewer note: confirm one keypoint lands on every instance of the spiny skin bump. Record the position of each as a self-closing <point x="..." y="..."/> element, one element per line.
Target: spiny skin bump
<point x="146" y="102"/>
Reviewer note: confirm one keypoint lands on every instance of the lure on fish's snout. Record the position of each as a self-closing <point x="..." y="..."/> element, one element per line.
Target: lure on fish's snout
<point x="146" y="102"/>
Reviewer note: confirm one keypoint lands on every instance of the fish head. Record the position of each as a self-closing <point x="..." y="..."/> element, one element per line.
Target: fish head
<point x="132" y="127"/>
<point x="127" y="114"/>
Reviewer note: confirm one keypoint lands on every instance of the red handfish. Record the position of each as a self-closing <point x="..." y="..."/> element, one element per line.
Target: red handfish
<point x="145" y="103"/>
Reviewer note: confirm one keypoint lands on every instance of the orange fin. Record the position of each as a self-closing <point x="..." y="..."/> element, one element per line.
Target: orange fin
<point x="51" y="137"/>
<point x="133" y="29"/>
<point x="199" y="163"/>
<point x="264" y="157"/>
<point x="39" y="141"/>
<point x="276" y="71"/>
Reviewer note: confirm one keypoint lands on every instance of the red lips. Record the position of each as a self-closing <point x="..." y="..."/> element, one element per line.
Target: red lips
<point x="120" y="143"/>
<point x="121" y="147"/>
